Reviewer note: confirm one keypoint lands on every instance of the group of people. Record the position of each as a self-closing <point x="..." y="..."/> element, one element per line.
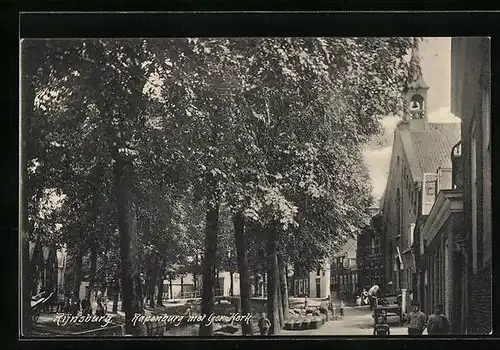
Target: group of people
<point x="436" y="323"/>
<point x="72" y="306"/>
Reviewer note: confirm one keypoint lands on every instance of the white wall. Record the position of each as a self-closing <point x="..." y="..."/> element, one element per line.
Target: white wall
<point x="226" y="276"/>
<point x="324" y="279"/>
<point x="83" y="289"/>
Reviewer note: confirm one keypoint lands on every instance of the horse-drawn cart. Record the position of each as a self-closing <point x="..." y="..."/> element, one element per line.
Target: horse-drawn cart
<point x="380" y="325"/>
<point x="384" y="308"/>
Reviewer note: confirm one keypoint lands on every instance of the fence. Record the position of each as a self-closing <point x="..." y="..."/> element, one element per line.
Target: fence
<point x="190" y="295"/>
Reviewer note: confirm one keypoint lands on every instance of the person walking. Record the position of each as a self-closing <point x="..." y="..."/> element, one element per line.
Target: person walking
<point x="372" y="295"/>
<point x="305" y="302"/>
<point x="330" y="303"/>
<point x="341" y="308"/>
<point x="417" y="320"/>
<point x="438" y="324"/>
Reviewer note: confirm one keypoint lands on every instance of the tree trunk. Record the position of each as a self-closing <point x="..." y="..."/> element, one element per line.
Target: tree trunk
<point x="211" y="233"/>
<point x="131" y="281"/>
<point x="160" y="280"/>
<point x="243" y="269"/>
<point x="116" y="292"/>
<point x="52" y="271"/>
<point x="104" y="267"/>
<point x="195" y="275"/>
<point x="93" y="267"/>
<point x="159" y="298"/>
<point x="288" y="287"/>
<point x="78" y="272"/>
<point x="273" y="282"/>
<point x="152" y="282"/>
<point x="148" y="270"/>
<point x="182" y="287"/>
<point x="280" y="306"/>
<point x="171" y="290"/>
<point x="283" y="286"/>
<point x="231" y="285"/>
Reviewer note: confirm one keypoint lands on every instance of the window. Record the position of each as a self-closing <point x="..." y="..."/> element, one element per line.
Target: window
<point x="301" y="286"/>
<point x="473" y="150"/>
<point x="431" y="189"/>
<point x="306" y="287"/>
<point x="412" y="229"/>
<point x="346" y="263"/>
<point x="417" y="103"/>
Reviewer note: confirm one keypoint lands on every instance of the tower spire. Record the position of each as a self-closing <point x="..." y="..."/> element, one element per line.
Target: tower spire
<point x="416" y="78"/>
<point x="416" y="87"/>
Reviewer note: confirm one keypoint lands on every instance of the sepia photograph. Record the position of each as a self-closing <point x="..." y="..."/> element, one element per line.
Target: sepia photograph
<point x="255" y="186"/>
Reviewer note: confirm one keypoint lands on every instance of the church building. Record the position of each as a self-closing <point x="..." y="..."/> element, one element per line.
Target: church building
<point x="420" y="155"/>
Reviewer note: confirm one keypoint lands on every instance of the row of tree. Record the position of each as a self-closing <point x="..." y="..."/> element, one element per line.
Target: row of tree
<point x="167" y="150"/>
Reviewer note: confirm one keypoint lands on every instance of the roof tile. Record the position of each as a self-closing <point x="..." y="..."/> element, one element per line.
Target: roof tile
<point x="431" y="143"/>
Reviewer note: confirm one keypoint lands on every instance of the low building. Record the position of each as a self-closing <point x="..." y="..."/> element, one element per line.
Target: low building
<point x="441" y="260"/>
<point x="313" y="284"/>
<point x="185" y="288"/>
<point x="369" y="254"/>
<point x="344" y="272"/>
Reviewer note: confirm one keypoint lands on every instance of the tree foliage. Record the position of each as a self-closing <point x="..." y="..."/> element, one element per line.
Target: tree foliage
<point x="145" y="137"/>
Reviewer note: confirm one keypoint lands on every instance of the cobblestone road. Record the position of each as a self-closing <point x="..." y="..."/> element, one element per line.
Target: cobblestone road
<point x="356" y="321"/>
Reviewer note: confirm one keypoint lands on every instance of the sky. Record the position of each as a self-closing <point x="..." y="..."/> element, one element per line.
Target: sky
<point x="435" y="59"/>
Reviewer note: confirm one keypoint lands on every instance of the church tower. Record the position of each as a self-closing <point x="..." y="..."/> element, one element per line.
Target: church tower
<point x="416" y="88"/>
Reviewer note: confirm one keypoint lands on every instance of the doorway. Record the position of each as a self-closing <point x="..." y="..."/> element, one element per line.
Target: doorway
<point x="318" y="288"/>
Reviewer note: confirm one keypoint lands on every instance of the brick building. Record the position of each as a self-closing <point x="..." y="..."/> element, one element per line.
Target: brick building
<point x="420" y="148"/>
<point x="369" y="254"/>
<point x="441" y="259"/>
<point x="470" y="95"/>
<point x="344" y="274"/>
